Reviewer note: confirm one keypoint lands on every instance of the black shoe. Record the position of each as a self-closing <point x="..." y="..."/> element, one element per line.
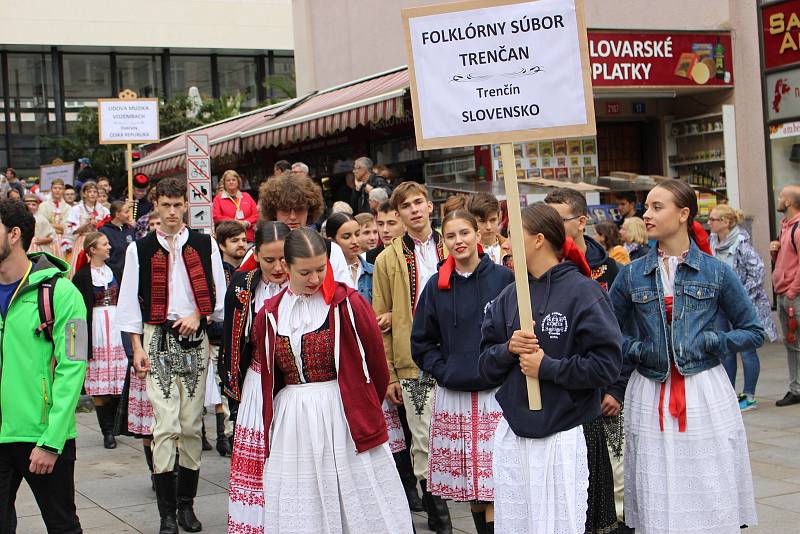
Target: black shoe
<point x="105" y="418"/>
<point x="223" y="446"/>
<point x="187" y="490"/>
<point x="169" y="525"/>
<point x="206" y="445"/>
<point x="438" y="513"/>
<point x="479" y="518"/>
<point x="167" y="502"/>
<point x="109" y="442"/>
<point x="402" y="461"/>
<point x="788" y="399"/>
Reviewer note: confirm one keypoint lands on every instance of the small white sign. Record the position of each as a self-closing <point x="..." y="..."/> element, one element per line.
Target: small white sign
<point x="200" y="193"/>
<point x="48" y="173"/>
<point x="198" y="169"/>
<point x="200" y="216"/>
<point x="197" y="145"/>
<point x="503" y="70"/>
<point x="128" y="121"/>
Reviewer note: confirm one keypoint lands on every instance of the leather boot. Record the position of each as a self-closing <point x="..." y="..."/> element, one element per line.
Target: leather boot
<point x="223" y="447"/>
<point x="167" y="504"/>
<point x="480" y="522"/>
<point x="402" y="460"/>
<point x="187" y="489"/>
<point x="438" y="513"/>
<point x="148" y="457"/>
<point x="206" y="445"/>
<point x="105" y="418"/>
<point x="490" y="527"/>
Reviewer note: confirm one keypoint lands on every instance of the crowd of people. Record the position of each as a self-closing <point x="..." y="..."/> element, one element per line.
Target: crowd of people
<point x="363" y="365"/>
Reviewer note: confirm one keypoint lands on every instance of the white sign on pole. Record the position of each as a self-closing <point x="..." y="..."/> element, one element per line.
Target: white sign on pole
<point x="198" y="176"/>
<point x="196" y="145"/>
<point x="125" y="121"/>
<point x="493" y="71"/>
<point x="48" y="173"/>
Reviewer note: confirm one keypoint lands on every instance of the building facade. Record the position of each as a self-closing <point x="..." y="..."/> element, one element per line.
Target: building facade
<point x="92" y="50"/>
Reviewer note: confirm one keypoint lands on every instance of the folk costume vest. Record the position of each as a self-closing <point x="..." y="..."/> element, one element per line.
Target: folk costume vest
<point x="154" y="275"/>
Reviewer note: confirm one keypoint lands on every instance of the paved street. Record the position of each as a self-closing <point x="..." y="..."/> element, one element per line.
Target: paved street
<point x="114" y="493"/>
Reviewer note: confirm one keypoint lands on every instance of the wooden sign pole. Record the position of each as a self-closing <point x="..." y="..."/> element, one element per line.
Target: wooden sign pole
<point x="520" y="264"/>
<point x="129" y="164"/>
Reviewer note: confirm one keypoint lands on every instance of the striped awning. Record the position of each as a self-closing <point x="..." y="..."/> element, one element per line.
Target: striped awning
<point x="347" y="106"/>
<point x="356" y="104"/>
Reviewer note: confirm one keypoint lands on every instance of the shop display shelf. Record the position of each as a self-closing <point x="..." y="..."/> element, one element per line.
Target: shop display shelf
<point x="696" y="162"/>
<point x="698" y="134"/>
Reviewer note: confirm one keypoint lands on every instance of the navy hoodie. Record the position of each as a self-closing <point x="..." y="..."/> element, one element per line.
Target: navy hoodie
<point x="581" y="341"/>
<point x="446" y="333"/>
<point x="604" y="269"/>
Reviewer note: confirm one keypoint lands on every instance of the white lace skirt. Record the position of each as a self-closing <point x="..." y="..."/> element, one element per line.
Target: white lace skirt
<point x="461" y="444"/>
<point x="315" y="481"/>
<point x="397" y="440"/>
<point x="140" y="411"/>
<point x="105" y="374"/>
<point x="540" y="485"/>
<point x="697" y="481"/>
<point x="245" y="489"/>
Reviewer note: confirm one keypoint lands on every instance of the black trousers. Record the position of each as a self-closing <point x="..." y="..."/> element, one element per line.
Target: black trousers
<point x="54" y="493"/>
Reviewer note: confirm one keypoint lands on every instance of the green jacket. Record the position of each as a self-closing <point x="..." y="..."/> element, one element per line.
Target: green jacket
<point x="40" y="381"/>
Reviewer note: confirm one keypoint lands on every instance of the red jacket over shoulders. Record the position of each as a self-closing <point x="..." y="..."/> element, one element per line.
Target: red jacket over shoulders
<point x="362" y="380"/>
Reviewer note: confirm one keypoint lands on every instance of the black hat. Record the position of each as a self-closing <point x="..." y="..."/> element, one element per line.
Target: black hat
<point x="140" y="181"/>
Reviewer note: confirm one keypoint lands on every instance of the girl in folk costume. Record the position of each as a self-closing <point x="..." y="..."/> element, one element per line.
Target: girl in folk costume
<point x="45" y="238"/>
<point x="241" y="376"/>
<point x="540" y="464"/>
<point x="687" y="467"/>
<point x="445" y="342"/>
<point x="344" y="230"/>
<point x="108" y="364"/>
<point x="83" y="218"/>
<point x="324" y="374"/>
<point x="55" y="210"/>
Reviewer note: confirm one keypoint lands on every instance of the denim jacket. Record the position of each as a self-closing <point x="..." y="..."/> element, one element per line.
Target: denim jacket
<point x="364" y="286"/>
<point x="703" y="287"/>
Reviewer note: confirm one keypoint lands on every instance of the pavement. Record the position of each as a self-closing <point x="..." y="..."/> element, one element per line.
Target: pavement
<point x="114" y="496"/>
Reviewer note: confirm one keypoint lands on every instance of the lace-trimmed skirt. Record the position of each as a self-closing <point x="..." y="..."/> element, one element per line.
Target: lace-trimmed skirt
<point x="315" y="481"/>
<point x="397" y="440"/>
<point x="461" y="443"/>
<point x="105" y="374"/>
<point x="696" y="481"/>
<point x="140" y="411"/>
<point x="540" y="485"/>
<point x="245" y="489"/>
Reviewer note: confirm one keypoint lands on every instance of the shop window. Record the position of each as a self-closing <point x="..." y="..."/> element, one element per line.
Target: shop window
<point x="30" y="81"/>
<point x="87" y="77"/>
<point x="25" y="124"/>
<point x="141" y="74"/>
<point x="237" y="75"/>
<point x="191" y="71"/>
<point x="280" y="81"/>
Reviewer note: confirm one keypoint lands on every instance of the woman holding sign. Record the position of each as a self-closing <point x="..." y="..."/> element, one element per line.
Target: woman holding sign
<point x="231" y="204"/>
<point x="687" y="468"/>
<point x="540" y="465"/>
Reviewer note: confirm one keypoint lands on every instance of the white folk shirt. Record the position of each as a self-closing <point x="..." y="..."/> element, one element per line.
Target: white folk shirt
<point x="181" y="297"/>
<point x="427" y="259"/>
<point x="265" y="291"/>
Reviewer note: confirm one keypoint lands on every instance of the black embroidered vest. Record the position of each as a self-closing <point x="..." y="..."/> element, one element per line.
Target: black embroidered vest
<point x="154" y="275"/>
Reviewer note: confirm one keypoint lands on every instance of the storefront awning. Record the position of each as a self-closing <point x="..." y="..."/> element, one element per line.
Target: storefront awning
<point x="224" y="138"/>
<point x="339" y="108"/>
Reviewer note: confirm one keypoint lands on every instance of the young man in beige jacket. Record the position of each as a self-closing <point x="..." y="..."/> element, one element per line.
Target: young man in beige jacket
<point x="401" y="272"/>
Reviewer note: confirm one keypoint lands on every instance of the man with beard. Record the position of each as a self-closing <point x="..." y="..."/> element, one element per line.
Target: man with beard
<point x="786" y="283"/>
<point x="43" y="370"/>
<point x="172" y="286"/>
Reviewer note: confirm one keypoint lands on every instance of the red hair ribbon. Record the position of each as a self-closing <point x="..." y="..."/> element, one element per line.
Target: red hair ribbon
<point x="447" y="268"/>
<point x="700" y="237"/>
<point x="106" y="219"/>
<point x="328" y="285"/>
<point x="571" y="252"/>
<point x="82" y="260"/>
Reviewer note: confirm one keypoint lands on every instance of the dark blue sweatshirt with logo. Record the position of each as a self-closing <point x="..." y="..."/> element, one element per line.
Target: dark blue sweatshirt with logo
<point x="446" y="333"/>
<point x="581" y="341"/>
